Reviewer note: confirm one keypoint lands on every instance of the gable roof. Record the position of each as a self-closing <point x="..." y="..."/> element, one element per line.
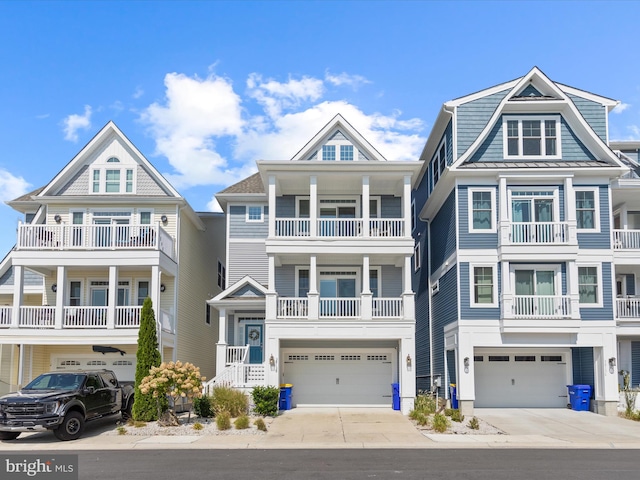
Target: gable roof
<point x="227" y="298"/>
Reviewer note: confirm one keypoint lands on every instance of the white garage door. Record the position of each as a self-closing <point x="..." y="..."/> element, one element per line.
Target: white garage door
<point x="124" y="366"/>
<point x="521" y="380"/>
<point x="345" y="377"/>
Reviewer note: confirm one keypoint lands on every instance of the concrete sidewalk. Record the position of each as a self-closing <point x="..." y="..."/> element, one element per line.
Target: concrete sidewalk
<point x="345" y="428"/>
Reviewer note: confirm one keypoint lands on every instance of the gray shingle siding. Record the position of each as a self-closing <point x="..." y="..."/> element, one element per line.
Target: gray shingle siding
<point x="595" y="114"/>
<point x="240" y="228"/>
<point x="443" y="232"/>
<point x="474" y="240"/>
<point x="606" y="311"/>
<point x="602" y="239"/>
<point x="473" y="116"/>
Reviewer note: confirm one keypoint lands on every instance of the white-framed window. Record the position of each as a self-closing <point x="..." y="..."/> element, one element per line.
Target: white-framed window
<point x="414" y="221"/>
<point x="112" y="178"/>
<point x="482" y="210"/>
<point x="329" y="153"/>
<point x="534" y="205"/>
<point x="484" y="285"/>
<point x="589" y="285"/>
<point x="75" y="293"/>
<point x="375" y="281"/>
<point x="346" y="153"/>
<point x="142" y="291"/>
<point x="255" y="213"/>
<point x="531" y="137"/>
<point x="439" y="162"/>
<point x="144" y="217"/>
<point x="302" y="281"/>
<point x="417" y="259"/>
<point x="587" y="208"/>
<point x="222" y="275"/>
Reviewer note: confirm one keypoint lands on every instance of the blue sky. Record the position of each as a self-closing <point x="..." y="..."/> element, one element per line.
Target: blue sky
<point x="205" y="88"/>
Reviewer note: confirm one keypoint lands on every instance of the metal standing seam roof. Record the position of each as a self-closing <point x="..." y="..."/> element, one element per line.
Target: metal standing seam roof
<point x="529" y="164"/>
<point x="252" y="184"/>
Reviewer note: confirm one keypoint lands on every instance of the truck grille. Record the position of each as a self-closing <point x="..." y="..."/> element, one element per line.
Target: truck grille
<point x="24" y="409"/>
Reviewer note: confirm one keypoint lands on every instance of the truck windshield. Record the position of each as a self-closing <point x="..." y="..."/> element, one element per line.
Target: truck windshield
<point x="55" y="381"/>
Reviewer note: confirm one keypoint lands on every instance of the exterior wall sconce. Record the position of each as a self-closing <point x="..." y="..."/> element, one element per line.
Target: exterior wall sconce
<point x="408" y="361"/>
<point x="54" y="287"/>
<point x="466" y="364"/>
<point x="57" y="218"/>
<point x="164" y="219"/>
<point x="612" y="362"/>
<point x="162" y="287"/>
<point x="272" y="361"/>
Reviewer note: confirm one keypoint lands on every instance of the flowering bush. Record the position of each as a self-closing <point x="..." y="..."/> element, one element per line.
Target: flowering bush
<point x="176" y="380"/>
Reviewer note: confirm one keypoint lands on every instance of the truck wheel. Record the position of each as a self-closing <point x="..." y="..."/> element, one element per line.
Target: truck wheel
<point x="71" y="427"/>
<point x="9" y="435"/>
<point x="126" y="412"/>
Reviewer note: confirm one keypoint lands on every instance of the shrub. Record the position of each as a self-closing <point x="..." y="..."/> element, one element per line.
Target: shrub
<point x="230" y="400"/>
<point x="202" y="407"/>
<point x="265" y="400"/>
<point x="223" y="421"/>
<point x="457" y="416"/>
<point x="198" y="426"/>
<point x="420" y="418"/>
<point x="474" y="424"/>
<point x="425" y="403"/>
<point x="121" y="430"/>
<point x="448" y="412"/>
<point x="440" y="423"/>
<point x="260" y="425"/>
<point x="241" y="422"/>
<point x="136" y="423"/>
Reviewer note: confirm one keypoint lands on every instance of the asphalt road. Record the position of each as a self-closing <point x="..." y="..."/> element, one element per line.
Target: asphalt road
<point x="422" y="464"/>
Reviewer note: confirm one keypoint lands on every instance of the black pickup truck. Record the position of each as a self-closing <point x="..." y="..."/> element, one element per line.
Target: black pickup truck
<point x="63" y="402"/>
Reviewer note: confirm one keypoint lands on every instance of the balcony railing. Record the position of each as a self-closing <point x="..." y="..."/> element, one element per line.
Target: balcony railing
<point x="128" y="317"/>
<point x="340" y="227"/>
<point x="293" y="307"/>
<point x="301" y="307"/>
<point x="94" y="237"/>
<point x="37" y="317"/>
<point x="339" y="307"/>
<point x="84" y="317"/>
<point x="539" y="233"/>
<point x="626" y="239"/>
<point x="387" y="307"/>
<point x="541" y="306"/>
<point x="236" y="354"/>
<point x="628" y="308"/>
<point x="5" y="316"/>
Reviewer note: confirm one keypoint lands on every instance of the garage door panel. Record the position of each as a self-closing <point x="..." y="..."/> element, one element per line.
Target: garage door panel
<point x="123" y="366"/>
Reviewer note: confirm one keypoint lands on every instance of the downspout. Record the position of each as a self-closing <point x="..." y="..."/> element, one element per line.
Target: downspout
<point x="430" y="318"/>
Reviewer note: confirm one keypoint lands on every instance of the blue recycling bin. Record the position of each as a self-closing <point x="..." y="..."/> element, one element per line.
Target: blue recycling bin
<point x="453" y="395"/>
<point x="579" y="396"/>
<point x="395" y="390"/>
<point x="285" y="396"/>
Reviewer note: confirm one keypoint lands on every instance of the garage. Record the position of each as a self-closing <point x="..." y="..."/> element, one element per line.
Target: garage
<point x="339" y="376"/>
<point x="124" y="366"/>
<point x="521" y="379"/>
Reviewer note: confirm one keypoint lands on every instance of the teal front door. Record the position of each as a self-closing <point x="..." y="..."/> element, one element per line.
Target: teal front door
<point x="253" y="338"/>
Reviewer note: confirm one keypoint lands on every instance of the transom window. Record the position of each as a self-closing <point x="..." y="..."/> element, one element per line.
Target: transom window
<point x="531" y="137"/>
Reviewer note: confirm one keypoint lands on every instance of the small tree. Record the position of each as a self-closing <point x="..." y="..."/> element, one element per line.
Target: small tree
<point x="176" y="380"/>
<point x="145" y="407"/>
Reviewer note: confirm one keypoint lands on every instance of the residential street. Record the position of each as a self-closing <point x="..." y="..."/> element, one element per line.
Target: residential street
<point x="517" y="464"/>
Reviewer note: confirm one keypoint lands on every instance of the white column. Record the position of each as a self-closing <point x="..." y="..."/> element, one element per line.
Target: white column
<point x="570" y="210"/>
<point x="154" y="288"/>
<point x="573" y="288"/>
<point x="365" y="206"/>
<point x="507" y="295"/>
<point x="271" y="274"/>
<point x="18" y="294"/>
<point x="406" y="275"/>
<point x="113" y="297"/>
<point x="313" y="206"/>
<point x="408" y="296"/>
<point x="272" y="205"/>
<point x="465" y="383"/>
<point x="271" y="297"/>
<point x="407" y="376"/>
<point x="21" y="365"/>
<point x="61" y="283"/>
<point x="221" y="346"/>
<point x="503" y="208"/>
<point x="406" y="205"/>
<point x="366" y="298"/>
<point x="313" y="295"/>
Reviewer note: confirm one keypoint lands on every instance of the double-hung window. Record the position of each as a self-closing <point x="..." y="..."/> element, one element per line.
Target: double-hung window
<point x="588" y="285"/>
<point x="482" y="210"/>
<point x="483" y="286"/>
<point x="112" y="178"/>
<point x="587" y="209"/>
<point x="531" y="137"/>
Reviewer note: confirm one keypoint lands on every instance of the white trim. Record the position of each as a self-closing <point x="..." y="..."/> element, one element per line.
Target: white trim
<point x="297" y="278"/>
<point x="254" y="220"/>
<point x="68" y="291"/>
<point x="302" y="197"/>
<point x="492" y="191"/>
<point x="542" y="118"/>
<point x="102" y="180"/>
<point x="417" y="260"/>
<point x="596" y="207"/>
<point x="140" y="211"/>
<point x="436" y="161"/>
<point x="414" y="216"/>
<point x="535" y="188"/>
<point x="378" y="269"/>
<point x="472" y="284"/>
<point x="600" y="289"/>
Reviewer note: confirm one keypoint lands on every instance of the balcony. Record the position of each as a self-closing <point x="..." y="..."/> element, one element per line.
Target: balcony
<point x="538" y="233"/>
<point x="95" y="237"/>
<point x="540" y="313"/>
<point x="628" y="308"/>
<point x="350" y="308"/>
<point x="626" y="239"/>
<point x="340" y="228"/>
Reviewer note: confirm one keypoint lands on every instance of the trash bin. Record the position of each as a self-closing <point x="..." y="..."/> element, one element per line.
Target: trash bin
<point x="285" y="396"/>
<point x="453" y="395"/>
<point x="579" y="396"/>
<point x="395" y="390"/>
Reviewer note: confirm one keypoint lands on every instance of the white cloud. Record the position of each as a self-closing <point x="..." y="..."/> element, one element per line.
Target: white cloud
<point x="213" y="205"/>
<point x="343" y="78"/>
<point x="138" y="93"/>
<point x="276" y="96"/>
<point x="635" y="130"/>
<point x="43" y="116"/>
<point x="12" y="187"/>
<point x="75" y="122"/>
<point x="621" y="107"/>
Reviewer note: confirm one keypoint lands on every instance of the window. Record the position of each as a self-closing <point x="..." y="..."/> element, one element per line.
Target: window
<point x="145" y="218"/>
<point x="531" y="137"/>
<point x="417" y="260"/>
<point x="123" y="294"/>
<point x="346" y="153"/>
<point x="413" y="216"/>
<point x="586" y="211"/>
<point x="484" y="286"/>
<point x="113" y="160"/>
<point x="498" y="358"/>
<point x="207" y="315"/>
<point x="222" y="275"/>
<point x="374" y="282"/>
<point x="129" y="181"/>
<point x="143" y="291"/>
<point x="96" y="181"/>
<point x="551" y="358"/>
<point x="329" y="152"/>
<point x="439" y="163"/>
<point x="481" y="209"/>
<point x="254" y="213"/>
<point x="75" y="291"/>
<point x="113" y="181"/>
<point x="303" y="283"/>
<point x="588" y="285"/>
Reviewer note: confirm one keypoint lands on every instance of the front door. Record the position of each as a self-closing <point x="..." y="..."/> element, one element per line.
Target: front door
<point x="253" y="338"/>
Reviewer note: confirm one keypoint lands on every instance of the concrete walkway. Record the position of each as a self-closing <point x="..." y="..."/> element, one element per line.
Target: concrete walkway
<point x="346" y="428"/>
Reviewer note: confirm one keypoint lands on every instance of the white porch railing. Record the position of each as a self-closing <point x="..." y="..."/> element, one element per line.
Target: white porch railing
<point x="387" y="307"/>
<point x="626" y="239"/>
<point x="293" y="307"/>
<point x="540" y="233"/>
<point x="128" y="317"/>
<point x="84" y="317"/>
<point x="628" y="307"/>
<point x="236" y="354"/>
<point x="37" y="317"/>
<point x="237" y="375"/>
<point x="339" y="227"/>
<point x="340" y="307"/>
<point x="292" y="227"/>
<point x="5" y="316"/>
<point x="386" y="227"/>
<point x="541" y="306"/>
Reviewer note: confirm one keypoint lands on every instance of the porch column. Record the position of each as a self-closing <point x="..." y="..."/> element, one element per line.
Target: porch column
<point x="570" y="210"/>
<point x="154" y="293"/>
<point x="113" y="297"/>
<point x="61" y="280"/>
<point x="503" y="209"/>
<point x="507" y="295"/>
<point x="18" y="294"/>
<point x="313" y="295"/>
<point x="272" y="206"/>
<point x="271" y="297"/>
<point x="221" y="346"/>
<point x="465" y="383"/>
<point x="21" y="365"/>
<point x="573" y="288"/>
<point x="406" y="206"/>
<point x="366" y="297"/>
<point x="313" y="206"/>
<point x="408" y="296"/>
<point x="365" y="207"/>
<point x="606" y="368"/>
<point x="407" y="374"/>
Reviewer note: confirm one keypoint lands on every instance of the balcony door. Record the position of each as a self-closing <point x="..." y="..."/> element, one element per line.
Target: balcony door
<point x="111" y="227"/>
<point x="335" y="286"/>
<point x="529" y="208"/>
<point x="533" y="289"/>
<point x="330" y="210"/>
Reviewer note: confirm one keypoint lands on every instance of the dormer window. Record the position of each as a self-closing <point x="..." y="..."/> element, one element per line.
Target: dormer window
<point x="346" y="153"/>
<point x="112" y="180"/>
<point x="531" y="137"/>
<point x="338" y="148"/>
<point x="328" y="153"/>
